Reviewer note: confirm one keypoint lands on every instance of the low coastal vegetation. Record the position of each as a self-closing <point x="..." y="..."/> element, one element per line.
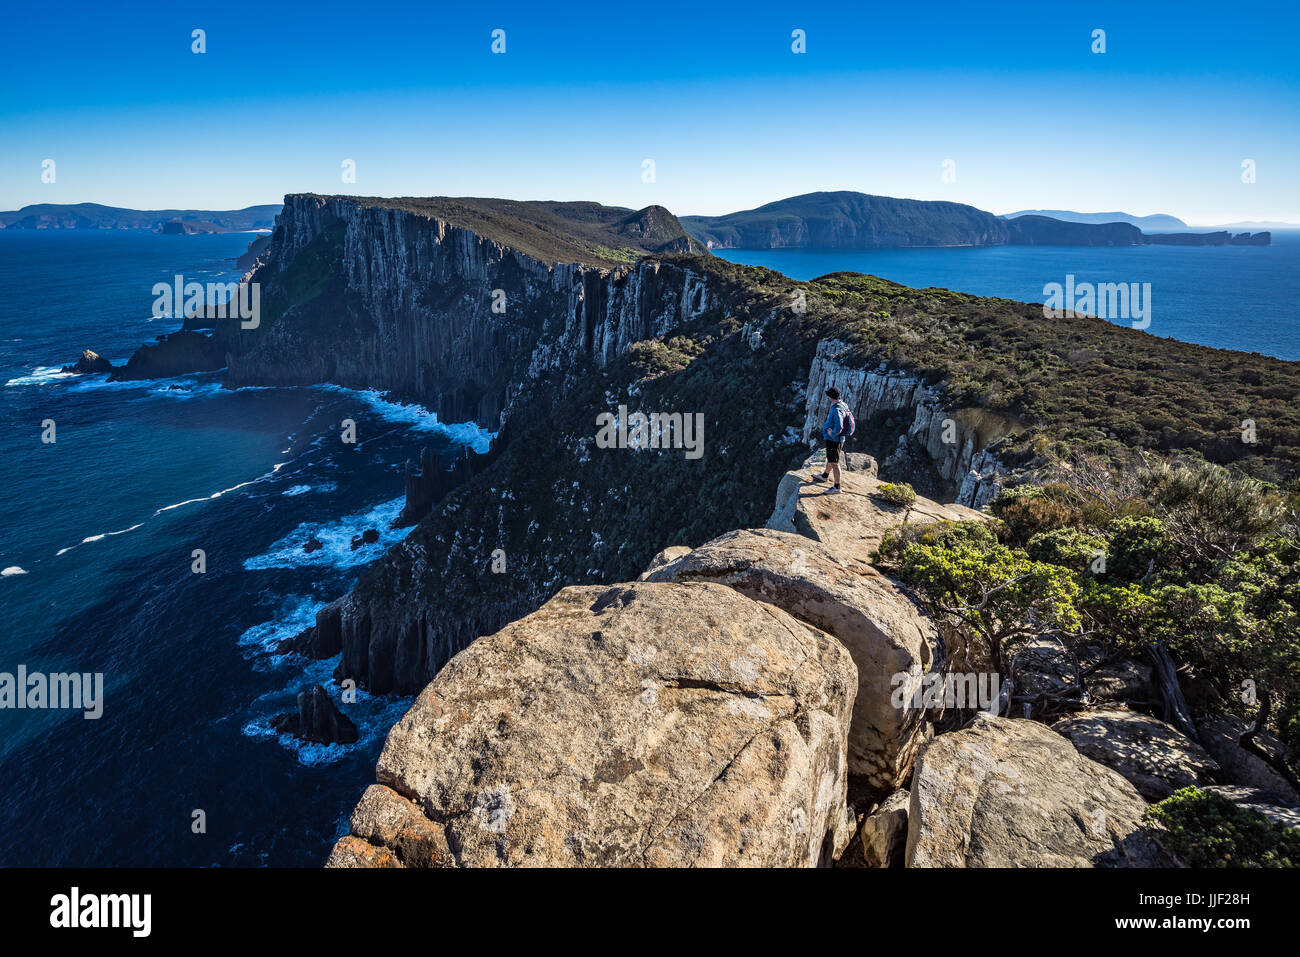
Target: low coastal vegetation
<point x="550" y="232"/>
<point x="1205" y="829"/>
<point x="1173" y="560"/>
<point x="1062" y="385"/>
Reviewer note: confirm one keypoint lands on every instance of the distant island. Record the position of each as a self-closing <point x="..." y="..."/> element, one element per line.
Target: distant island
<point x="1157" y="221"/>
<point x="1161" y="221"/>
<point x="95" y="216"/>
<point x="851" y="220"/>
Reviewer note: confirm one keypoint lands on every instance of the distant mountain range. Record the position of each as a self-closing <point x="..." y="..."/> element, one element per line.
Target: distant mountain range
<point x="95" y="216"/>
<point x="822" y="220"/>
<point x="1157" y="221"/>
<point x="1153" y="222"/>
<point x="851" y="220"/>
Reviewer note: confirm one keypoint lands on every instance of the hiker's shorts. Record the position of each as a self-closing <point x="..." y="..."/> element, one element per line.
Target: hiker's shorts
<point x="832" y="452"/>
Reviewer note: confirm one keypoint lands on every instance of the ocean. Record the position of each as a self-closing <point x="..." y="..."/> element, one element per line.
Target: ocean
<point x="1231" y="297"/>
<point x="98" y="529"/>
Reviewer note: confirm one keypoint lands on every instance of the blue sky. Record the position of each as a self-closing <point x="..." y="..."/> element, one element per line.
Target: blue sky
<point x="885" y="93"/>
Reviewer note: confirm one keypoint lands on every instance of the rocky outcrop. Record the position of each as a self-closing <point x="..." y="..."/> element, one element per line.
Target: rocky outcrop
<point x="427" y="485"/>
<point x="1012" y="793"/>
<point x="1241" y="767"/>
<point x="317" y="720"/>
<point x="89" y="364"/>
<point x="1154" y="756"/>
<point x="322" y="640"/>
<point x="380" y="297"/>
<point x="252" y="257"/>
<point x="1045" y="231"/>
<point x="387" y="830"/>
<point x="942" y="453"/>
<point x="853" y="522"/>
<point x="1279" y="807"/>
<point x="665" y="557"/>
<point x="659" y="724"/>
<point x="1218" y="238"/>
<point x="883" y="835"/>
<point x="181" y="352"/>
<point x="890" y="639"/>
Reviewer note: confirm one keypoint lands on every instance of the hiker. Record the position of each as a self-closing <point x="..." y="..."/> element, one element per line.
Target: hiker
<point x="838" y="426"/>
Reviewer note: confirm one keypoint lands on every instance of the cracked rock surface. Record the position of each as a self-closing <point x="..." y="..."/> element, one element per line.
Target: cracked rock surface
<point x="657" y="724"/>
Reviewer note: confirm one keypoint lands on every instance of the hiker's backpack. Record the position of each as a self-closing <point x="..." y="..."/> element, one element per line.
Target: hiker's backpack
<point x="849" y="424"/>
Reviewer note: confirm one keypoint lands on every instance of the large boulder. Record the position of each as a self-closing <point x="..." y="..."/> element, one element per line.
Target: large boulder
<point x="1014" y="793"/>
<point x="889" y="638"/>
<point x="387" y="830"/>
<point x="642" y="724"/>
<point x="1154" y="756"/>
<point x="852" y="523"/>
<point x="669" y="554"/>
<point x="884" y="833"/>
<point x="1241" y="767"/>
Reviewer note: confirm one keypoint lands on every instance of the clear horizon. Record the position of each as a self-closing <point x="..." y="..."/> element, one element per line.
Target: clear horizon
<point x="1028" y="115"/>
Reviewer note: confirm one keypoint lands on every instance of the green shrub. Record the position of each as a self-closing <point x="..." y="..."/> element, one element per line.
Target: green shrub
<point x="1071" y="548"/>
<point x="1207" y="830"/>
<point x="897" y="493"/>
<point x="974" y="581"/>
<point x="1030" y="510"/>
<point x="1137" y="544"/>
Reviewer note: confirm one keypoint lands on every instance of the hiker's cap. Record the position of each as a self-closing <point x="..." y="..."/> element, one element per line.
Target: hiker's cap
<point x="833" y="392"/>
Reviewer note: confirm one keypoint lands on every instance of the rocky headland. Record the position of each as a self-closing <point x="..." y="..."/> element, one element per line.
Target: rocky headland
<point x="726" y="703"/>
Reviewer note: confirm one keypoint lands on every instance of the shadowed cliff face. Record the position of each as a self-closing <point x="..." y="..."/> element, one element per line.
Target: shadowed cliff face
<point x="367" y="296"/>
<point x="372" y="297"/>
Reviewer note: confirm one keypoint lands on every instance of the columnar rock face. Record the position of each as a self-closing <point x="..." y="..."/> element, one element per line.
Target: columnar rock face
<point x="953" y="446"/>
<point x="412" y="310"/>
<point x="642" y="724"/>
<point x="1011" y="793"/>
<point x="1154" y="756"/>
<point x="889" y="638"/>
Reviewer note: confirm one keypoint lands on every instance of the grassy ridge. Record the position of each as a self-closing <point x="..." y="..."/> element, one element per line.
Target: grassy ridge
<point x="553" y="232"/>
<point x="1062" y="384"/>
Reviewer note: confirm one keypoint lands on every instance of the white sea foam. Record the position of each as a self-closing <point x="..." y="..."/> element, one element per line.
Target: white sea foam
<point x="296" y="613"/>
<point x="336" y="539"/>
<point x="42" y="375"/>
<point x="373" y="715"/>
<point x="224" y="491"/>
<point x="418" y="418"/>
<point x="98" y="538"/>
<point x="304" y="489"/>
<point x="167" y="508"/>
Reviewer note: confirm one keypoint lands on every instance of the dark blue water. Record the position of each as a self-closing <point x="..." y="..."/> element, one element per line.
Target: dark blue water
<point x="1230" y="297"/>
<point x="96" y="536"/>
